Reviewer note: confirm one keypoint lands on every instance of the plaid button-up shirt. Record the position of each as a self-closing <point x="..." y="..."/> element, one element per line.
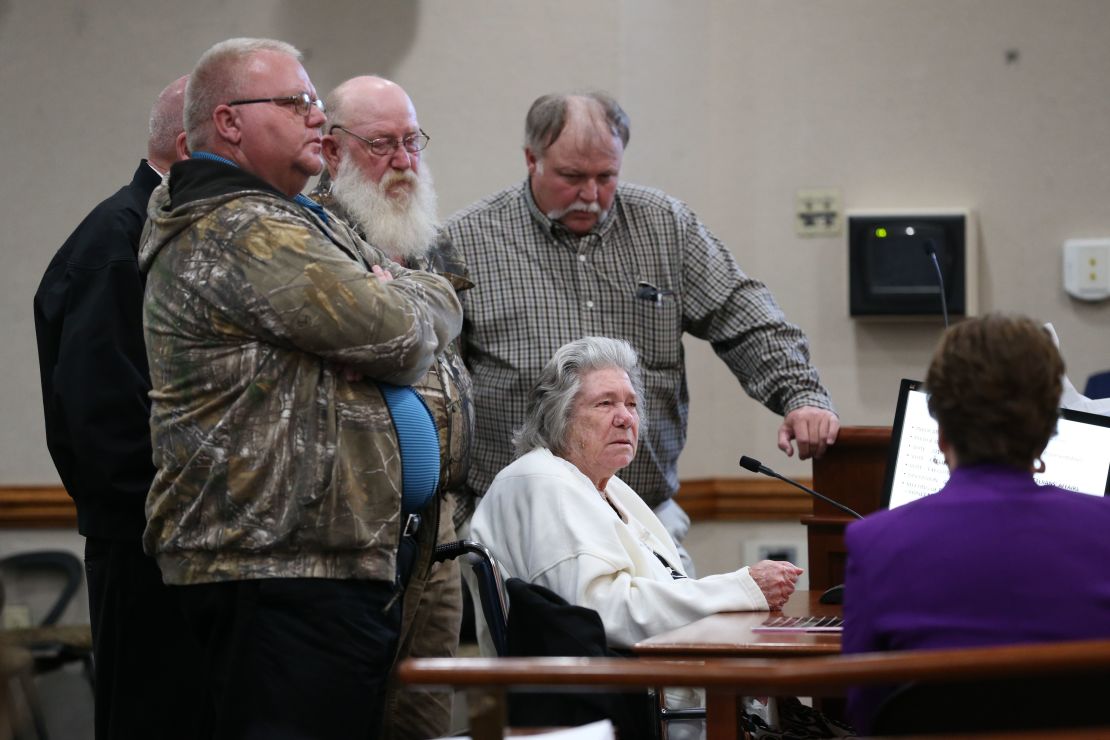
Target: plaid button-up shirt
<point x="538" y="286"/>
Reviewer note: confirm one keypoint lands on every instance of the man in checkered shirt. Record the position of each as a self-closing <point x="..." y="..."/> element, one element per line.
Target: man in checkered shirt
<point x="571" y="252"/>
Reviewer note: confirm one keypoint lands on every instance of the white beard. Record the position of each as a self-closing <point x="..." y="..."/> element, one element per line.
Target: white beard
<point x="402" y="226"/>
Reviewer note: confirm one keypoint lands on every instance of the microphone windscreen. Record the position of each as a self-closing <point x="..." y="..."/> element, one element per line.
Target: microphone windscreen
<point x="749" y="463"/>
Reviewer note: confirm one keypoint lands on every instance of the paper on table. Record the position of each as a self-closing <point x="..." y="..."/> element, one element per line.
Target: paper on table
<point x="602" y="730"/>
<point x="801" y="624"/>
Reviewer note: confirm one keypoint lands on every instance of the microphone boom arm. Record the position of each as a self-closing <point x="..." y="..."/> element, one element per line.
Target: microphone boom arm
<point x="757" y="467"/>
<point x="931" y="250"/>
<point x="811" y="492"/>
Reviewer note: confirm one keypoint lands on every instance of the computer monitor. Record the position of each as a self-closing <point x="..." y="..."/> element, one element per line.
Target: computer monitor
<point x="1076" y="458"/>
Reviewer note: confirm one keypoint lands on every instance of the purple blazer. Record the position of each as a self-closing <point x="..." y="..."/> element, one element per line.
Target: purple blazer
<point x="991" y="558"/>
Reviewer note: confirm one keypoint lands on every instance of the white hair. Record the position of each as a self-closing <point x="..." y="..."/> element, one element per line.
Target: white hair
<point x="403" y="226"/>
<point x="552" y="399"/>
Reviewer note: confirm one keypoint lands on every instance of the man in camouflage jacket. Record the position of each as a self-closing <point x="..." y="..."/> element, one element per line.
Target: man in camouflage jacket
<point x="274" y="334"/>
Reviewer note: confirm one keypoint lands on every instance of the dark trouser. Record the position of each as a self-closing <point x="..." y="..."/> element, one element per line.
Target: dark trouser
<point x="294" y="657"/>
<point x="147" y="669"/>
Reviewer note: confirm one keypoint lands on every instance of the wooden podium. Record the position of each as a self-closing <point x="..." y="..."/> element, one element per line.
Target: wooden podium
<point x="851" y="472"/>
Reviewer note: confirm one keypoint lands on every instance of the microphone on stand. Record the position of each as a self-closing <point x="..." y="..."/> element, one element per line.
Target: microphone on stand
<point x="834" y="595"/>
<point x="931" y="250"/>
<point x="750" y="463"/>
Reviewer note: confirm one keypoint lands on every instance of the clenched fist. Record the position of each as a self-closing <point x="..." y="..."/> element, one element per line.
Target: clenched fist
<point x="776" y="579"/>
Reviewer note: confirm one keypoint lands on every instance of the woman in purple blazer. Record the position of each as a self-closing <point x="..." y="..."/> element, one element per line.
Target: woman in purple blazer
<point x="991" y="558"/>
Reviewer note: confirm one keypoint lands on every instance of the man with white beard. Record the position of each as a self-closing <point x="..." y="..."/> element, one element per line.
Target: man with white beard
<point x="377" y="183"/>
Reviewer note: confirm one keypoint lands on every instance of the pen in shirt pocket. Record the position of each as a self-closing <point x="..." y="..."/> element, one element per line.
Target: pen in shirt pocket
<point x="645" y="291"/>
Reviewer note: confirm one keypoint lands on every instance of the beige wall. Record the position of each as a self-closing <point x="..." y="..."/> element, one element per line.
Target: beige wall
<point x="735" y="105"/>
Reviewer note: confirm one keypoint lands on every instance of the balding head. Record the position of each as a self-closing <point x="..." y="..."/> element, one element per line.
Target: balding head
<point x="365" y="109"/>
<point x="593" y="112"/>
<point x="389" y="194"/>
<point x="367" y="98"/>
<point x="166" y="125"/>
<point x="372" y="108"/>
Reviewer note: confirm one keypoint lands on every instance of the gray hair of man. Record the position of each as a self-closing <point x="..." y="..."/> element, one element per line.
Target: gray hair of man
<point x="547" y="118"/>
<point x="166" y="124"/>
<point x="218" y="78"/>
<point x="548" y="418"/>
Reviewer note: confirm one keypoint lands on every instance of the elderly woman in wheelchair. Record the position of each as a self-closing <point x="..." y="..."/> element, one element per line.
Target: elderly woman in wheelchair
<point x="559" y="516"/>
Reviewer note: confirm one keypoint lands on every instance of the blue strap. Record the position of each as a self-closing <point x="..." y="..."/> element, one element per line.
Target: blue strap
<point x="212" y="157"/>
<point x="419" y="443"/>
<point x="311" y="205"/>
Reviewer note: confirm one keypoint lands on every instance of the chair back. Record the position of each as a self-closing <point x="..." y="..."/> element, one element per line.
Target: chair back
<point x="543" y="624"/>
<point x="1098" y="385"/>
<point x="49" y="644"/>
<point x="491" y="590"/>
<point x="57" y="562"/>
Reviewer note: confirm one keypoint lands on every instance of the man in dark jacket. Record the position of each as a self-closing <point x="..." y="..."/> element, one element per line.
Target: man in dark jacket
<point x="88" y="319"/>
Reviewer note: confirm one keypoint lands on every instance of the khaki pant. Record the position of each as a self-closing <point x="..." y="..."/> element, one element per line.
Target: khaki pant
<point x="429" y="629"/>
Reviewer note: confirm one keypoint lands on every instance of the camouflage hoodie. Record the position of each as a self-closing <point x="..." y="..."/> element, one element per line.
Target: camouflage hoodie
<point x="447" y="389"/>
<point x="270" y="462"/>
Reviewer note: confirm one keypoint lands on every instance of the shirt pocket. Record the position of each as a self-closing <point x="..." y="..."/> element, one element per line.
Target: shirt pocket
<point x="656" y="325"/>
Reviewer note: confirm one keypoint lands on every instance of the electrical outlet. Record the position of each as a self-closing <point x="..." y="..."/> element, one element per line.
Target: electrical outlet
<point x="788" y="553"/>
<point x="1087" y="268"/>
<point x="16" y="616"/>
<point x="817" y="212"/>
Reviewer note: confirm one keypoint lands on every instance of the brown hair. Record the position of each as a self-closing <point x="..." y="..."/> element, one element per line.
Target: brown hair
<point x="994" y="388"/>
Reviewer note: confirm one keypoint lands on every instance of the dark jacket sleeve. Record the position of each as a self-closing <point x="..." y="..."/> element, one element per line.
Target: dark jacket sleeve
<point x="95" y="381"/>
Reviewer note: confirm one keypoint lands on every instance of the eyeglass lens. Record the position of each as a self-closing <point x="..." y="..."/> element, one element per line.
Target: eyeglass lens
<point x="412" y="143"/>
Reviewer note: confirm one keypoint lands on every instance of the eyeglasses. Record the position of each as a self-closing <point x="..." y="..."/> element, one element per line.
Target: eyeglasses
<point x="386" y="145"/>
<point x="301" y="103"/>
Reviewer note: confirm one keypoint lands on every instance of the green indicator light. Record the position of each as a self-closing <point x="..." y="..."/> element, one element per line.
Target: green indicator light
<point x="880" y="232"/>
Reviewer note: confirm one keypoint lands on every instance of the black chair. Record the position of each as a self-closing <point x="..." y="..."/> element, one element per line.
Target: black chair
<point x="21" y="713"/>
<point x="491" y="590"/>
<point x="52" y="645"/>
<point x="546" y="625"/>
<point x="1098" y="385"/>
<point x="543" y="624"/>
<point x="1023" y="703"/>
